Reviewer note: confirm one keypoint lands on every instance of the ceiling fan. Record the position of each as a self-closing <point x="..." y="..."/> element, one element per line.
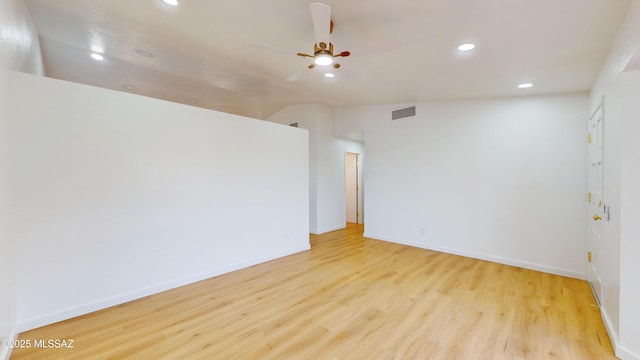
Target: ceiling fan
<point x="323" y="53"/>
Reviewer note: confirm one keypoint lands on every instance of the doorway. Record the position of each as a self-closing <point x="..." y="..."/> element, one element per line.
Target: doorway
<point x="598" y="211"/>
<point x="353" y="186"/>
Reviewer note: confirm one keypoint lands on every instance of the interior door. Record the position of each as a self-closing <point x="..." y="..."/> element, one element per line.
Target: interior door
<point x="352" y="188"/>
<point x="594" y="197"/>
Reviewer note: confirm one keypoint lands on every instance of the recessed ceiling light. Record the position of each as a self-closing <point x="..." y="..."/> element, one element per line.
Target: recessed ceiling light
<point x="467" y="47"/>
<point x="129" y="87"/>
<point x="144" y="53"/>
<point x="97" y="56"/>
<point x="323" y="60"/>
<point x="170" y="2"/>
<point x="329" y="75"/>
<point x="525" y="85"/>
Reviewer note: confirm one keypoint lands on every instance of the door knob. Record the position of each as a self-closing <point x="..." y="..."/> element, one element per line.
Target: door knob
<point x="596" y="217"/>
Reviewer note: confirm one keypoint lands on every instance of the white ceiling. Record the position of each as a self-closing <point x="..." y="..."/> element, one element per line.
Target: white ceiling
<point x="403" y="51"/>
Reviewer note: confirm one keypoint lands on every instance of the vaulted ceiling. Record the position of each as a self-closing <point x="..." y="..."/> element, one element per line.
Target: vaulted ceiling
<point x="236" y="56"/>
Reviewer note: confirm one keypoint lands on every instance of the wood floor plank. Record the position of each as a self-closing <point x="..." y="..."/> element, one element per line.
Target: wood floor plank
<point x="348" y="297"/>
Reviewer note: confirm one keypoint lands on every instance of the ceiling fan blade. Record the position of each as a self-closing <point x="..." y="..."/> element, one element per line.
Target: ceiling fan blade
<point x="295" y="76"/>
<point x="348" y="73"/>
<point x="302" y="72"/>
<point x="321" y="16"/>
<point x="378" y="48"/>
<point x="270" y="48"/>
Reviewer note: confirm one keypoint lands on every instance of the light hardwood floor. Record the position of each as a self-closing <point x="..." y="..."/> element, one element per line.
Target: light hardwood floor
<point x="348" y="298"/>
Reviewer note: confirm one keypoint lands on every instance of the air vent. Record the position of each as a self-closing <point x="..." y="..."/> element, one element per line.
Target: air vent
<point x="403" y="113"/>
<point x="294" y="124"/>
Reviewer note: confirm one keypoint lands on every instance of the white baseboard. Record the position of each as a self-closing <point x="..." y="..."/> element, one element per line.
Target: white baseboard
<point x="328" y="229"/>
<point x="620" y="351"/>
<point x="487" y="257"/>
<point x="29" y="324"/>
<point x="625" y="354"/>
<point x="608" y="325"/>
<point x="5" y="352"/>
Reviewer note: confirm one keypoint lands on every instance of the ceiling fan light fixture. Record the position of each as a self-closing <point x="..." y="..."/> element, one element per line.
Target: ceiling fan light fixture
<point x="467" y="47"/>
<point x="323" y="60"/>
<point x="96" y="56"/>
<point x="171" y="2"/>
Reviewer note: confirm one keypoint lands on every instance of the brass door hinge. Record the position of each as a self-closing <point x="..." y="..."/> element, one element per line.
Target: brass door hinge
<point x="588" y="197"/>
<point x="589" y="256"/>
<point x="589" y="138"/>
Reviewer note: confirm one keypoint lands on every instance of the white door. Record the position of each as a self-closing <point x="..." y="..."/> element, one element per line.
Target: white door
<point x="594" y="197"/>
<point x="352" y="188"/>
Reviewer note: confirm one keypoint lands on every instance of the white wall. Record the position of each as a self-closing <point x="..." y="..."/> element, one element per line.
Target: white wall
<point x="502" y="180"/>
<point x="327" y="158"/>
<point x="630" y="215"/>
<point x="305" y="117"/>
<point x="19" y="44"/>
<point x="119" y="196"/>
<point x="621" y="92"/>
<point x="20" y="51"/>
<point x="7" y="265"/>
<point x="7" y="248"/>
<point x="332" y="204"/>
